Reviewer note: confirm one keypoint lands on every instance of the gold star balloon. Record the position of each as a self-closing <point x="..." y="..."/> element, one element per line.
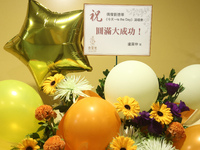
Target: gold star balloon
<point x="50" y="42"/>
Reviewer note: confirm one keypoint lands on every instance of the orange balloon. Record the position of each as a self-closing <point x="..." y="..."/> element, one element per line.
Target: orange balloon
<point x="60" y="126"/>
<point x="89" y="93"/>
<point x="192" y="140"/>
<point x="186" y="114"/>
<point x="59" y="131"/>
<point x="90" y="124"/>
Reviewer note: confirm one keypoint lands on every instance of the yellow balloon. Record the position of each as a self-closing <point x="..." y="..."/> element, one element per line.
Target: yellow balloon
<point x="18" y="102"/>
<point x="50" y="42"/>
<point x="4" y="145"/>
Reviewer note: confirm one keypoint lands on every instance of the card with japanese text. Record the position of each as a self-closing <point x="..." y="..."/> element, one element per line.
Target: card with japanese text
<point x="117" y="29"/>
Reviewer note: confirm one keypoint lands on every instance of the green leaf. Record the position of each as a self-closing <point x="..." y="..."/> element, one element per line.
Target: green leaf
<point x="172" y="74"/>
<point x="64" y="107"/>
<point x="100" y="88"/>
<point x="41" y="123"/>
<point x="41" y="128"/>
<point x="34" y="135"/>
<point x="163" y="89"/>
<point x="56" y="127"/>
<point x="106" y="72"/>
<point x="177" y="119"/>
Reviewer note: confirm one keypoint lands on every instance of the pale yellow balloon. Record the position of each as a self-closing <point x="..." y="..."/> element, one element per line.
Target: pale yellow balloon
<point x="18" y="102"/>
<point x="134" y="79"/>
<point x="190" y="78"/>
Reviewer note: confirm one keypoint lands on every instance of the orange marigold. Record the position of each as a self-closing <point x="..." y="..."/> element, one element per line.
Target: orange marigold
<point x="45" y="112"/>
<point x="176" y="131"/>
<point x="54" y="143"/>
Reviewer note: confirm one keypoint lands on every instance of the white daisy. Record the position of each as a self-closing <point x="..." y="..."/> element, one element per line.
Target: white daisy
<point x="71" y="86"/>
<point x="155" y="144"/>
<point x="134" y="133"/>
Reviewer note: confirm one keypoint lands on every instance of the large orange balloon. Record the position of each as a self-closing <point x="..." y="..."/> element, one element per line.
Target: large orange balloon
<point x="192" y="140"/>
<point x="90" y="124"/>
<point x="60" y="126"/>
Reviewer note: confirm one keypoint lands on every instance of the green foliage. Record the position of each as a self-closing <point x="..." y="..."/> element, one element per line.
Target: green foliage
<point x="48" y="128"/>
<point x="63" y="107"/>
<point x="100" y="88"/>
<point x="163" y="96"/>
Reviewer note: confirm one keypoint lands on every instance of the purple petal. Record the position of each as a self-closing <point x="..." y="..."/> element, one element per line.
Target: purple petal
<point x="174" y="108"/>
<point x="183" y="107"/>
<point x="155" y="127"/>
<point x="172" y="88"/>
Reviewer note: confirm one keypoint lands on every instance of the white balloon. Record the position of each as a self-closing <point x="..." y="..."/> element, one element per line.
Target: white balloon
<point x="190" y="78"/>
<point x="134" y="79"/>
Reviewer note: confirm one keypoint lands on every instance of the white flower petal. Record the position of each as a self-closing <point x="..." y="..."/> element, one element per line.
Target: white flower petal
<point x="155" y="144"/>
<point x="72" y="85"/>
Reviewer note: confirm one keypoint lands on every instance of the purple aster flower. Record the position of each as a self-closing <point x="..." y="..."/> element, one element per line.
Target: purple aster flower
<point x="144" y="118"/>
<point x="174" y="108"/>
<point x="183" y="107"/>
<point x="136" y="120"/>
<point x="155" y="127"/>
<point x="172" y="88"/>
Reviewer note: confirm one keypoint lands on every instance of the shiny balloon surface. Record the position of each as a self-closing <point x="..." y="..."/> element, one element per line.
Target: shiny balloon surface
<point x="134" y="79"/>
<point x="90" y="124"/>
<point x="50" y="42"/>
<point x="192" y="140"/>
<point x="18" y="102"/>
<point x="190" y="78"/>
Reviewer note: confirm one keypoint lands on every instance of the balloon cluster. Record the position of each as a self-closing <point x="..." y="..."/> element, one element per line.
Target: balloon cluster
<point x="92" y="122"/>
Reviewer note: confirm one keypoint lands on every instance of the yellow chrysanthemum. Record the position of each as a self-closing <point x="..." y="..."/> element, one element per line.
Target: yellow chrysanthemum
<point x="28" y="144"/>
<point x="129" y="106"/>
<point x="161" y="113"/>
<point x="123" y="143"/>
<point x="49" y="85"/>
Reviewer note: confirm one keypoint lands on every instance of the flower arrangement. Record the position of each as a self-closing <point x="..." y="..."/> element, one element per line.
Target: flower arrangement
<point x="158" y="127"/>
<point x="65" y="88"/>
<point x="155" y="129"/>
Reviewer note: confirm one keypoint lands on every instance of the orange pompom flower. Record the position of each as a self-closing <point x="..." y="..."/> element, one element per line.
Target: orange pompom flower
<point x="54" y="143"/>
<point x="45" y="112"/>
<point x="176" y="131"/>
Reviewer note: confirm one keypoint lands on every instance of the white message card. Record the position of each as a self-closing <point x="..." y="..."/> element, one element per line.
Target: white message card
<point x="117" y="29"/>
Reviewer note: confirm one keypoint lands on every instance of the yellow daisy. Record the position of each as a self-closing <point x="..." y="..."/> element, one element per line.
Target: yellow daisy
<point x="49" y="85"/>
<point x="129" y="106"/>
<point x="161" y="113"/>
<point x="123" y="143"/>
<point x="28" y="144"/>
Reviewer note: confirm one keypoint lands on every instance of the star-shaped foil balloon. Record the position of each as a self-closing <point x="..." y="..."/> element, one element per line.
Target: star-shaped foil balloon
<point x="50" y="42"/>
